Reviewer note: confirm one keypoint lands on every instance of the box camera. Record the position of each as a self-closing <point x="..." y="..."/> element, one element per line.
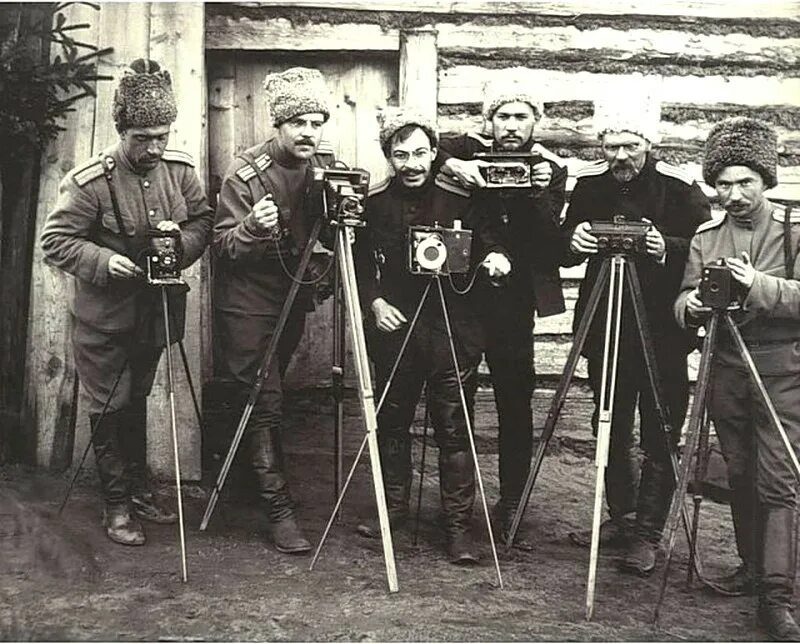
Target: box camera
<point x="343" y="192"/>
<point x="508" y="169"/>
<point x="718" y="288"/>
<point x="620" y="236"/>
<point x="434" y="249"/>
<point x="163" y="257"/>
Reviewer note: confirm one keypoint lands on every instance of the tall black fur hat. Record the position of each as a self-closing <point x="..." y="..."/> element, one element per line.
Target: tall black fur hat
<point x="144" y="96"/>
<point x="742" y="140"/>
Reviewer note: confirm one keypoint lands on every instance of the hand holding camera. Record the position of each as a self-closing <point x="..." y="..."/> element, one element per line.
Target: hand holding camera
<point x="497" y="265"/>
<point x="265" y="213"/>
<point x="388" y="318"/>
<point x="695" y="306"/>
<point x="656" y="246"/>
<point x="123" y="267"/>
<point x="583" y="241"/>
<point x="468" y="173"/>
<point x="742" y="270"/>
<point x="541" y="174"/>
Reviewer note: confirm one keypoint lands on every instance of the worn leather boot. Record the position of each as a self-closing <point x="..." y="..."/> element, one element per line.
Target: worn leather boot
<point x="121" y="527"/>
<point x="133" y="443"/>
<point x="741" y="581"/>
<point x="395" y="450"/>
<point x="264" y="456"/>
<point x="457" y="486"/>
<point x="655" y="494"/>
<point x="777" y="575"/>
<point x="615" y="532"/>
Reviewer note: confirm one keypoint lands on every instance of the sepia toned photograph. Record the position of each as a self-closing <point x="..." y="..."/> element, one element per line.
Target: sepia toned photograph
<point x="461" y="321"/>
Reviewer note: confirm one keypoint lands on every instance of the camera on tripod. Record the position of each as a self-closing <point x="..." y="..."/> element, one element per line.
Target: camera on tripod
<point x="163" y="257"/>
<point x="508" y="169"/>
<point x="344" y="193"/>
<point x="718" y="288"/>
<point x="620" y="236"/>
<point x="438" y="250"/>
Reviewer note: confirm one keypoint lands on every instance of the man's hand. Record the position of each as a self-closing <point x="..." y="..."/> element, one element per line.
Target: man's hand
<point x="742" y="270"/>
<point x="695" y="307"/>
<point x="656" y="246"/>
<point x="122" y="267"/>
<point x="265" y="213"/>
<point x="582" y="240"/>
<point x="168" y="226"/>
<point x="467" y="173"/>
<point x="388" y="318"/>
<point x="541" y="174"/>
<point x="497" y="264"/>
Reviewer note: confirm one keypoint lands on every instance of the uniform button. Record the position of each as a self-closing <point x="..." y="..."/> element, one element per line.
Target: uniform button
<point x="146" y="183"/>
<point x="152" y="213"/>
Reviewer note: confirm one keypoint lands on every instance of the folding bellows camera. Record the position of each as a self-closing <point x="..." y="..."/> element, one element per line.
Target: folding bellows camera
<point x="438" y="250"/>
<point x="620" y="236"/>
<point x="163" y="257"/>
<point x="344" y="193"/>
<point x="508" y="169"/>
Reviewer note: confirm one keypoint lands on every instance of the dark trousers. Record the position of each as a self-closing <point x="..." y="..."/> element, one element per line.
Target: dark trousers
<point x="650" y="495"/>
<point x="508" y="322"/>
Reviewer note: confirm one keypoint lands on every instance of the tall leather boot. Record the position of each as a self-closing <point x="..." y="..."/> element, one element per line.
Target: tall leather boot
<point x="264" y="457"/>
<point x="777" y="575"/>
<point x="457" y="485"/>
<point x="395" y="451"/>
<point x="133" y="442"/>
<point x="120" y="526"/>
<point x="741" y="581"/>
<point x="655" y="494"/>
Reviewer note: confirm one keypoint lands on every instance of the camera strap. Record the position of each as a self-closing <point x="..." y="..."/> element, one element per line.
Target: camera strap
<point x="788" y="255"/>
<point x="108" y="166"/>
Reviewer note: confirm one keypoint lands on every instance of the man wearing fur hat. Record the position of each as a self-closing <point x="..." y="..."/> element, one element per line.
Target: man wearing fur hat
<point x="631" y="182"/>
<point x="521" y="245"/>
<point x="264" y="218"/>
<point x="759" y="242"/>
<point x="96" y="232"/>
<point x="391" y="293"/>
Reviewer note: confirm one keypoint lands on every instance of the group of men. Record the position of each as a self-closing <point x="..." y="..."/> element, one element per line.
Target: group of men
<point x="266" y="209"/>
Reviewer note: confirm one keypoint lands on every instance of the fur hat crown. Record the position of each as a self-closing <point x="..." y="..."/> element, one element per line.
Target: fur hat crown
<point x="629" y="104"/>
<point x="741" y="140"/>
<point x="393" y="119"/>
<point x="144" y="96"/>
<point x="504" y="89"/>
<point x="298" y="90"/>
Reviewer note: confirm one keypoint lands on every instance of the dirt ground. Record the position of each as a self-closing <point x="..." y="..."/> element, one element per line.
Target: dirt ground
<point x="61" y="579"/>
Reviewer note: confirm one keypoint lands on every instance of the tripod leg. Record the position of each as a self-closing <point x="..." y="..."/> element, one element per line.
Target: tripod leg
<point x="606" y="413"/>
<point x="337" y="381"/>
<point x="174" y="427"/>
<point x="421" y="469"/>
<point x="662" y="410"/>
<point x="347" y="269"/>
<point x="465" y="409"/>
<point x="763" y="394"/>
<point x="700" y="469"/>
<point x="272" y="350"/>
<point x="91" y="438"/>
<point x="195" y="402"/>
<point x="558" y="399"/>
<point x="694" y="430"/>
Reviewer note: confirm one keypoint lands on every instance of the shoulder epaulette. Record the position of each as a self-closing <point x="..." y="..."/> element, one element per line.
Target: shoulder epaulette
<point x="375" y="188"/>
<point x="263" y="161"/>
<point x="779" y="214"/>
<point x="711" y="223"/>
<point x="246" y="172"/>
<point x="669" y="170"/>
<point x="450" y="185"/>
<point x="592" y="169"/>
<point x="480" y="138"/>
<point x="88" y="171"/>
<point x="325" y="147"/>
<point x="538" y="148"/>
<point x="176" y="156"/>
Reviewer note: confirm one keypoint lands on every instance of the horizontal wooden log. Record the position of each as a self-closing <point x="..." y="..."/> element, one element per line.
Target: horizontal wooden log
<point x="730" y="9"/>
<point x="464" y="84"/>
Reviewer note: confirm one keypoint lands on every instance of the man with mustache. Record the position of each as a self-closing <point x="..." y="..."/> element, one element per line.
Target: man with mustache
<point x="264" y="217"/>
<point x="391" y="294"/>
<point x="758" y="241"/>
<point x="631" y="182"/>
<point x="521" y="243"/>
<point x="98" y="232"/>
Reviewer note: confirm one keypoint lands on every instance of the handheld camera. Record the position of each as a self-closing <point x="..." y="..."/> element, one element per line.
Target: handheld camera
<point x="163" y="257"/>
<point x="718" y="289"/>
<point x="439" y="250"/>
<point x="344" y="192"/>
<point x="620" y="236"/>
<point x="508" y="169"/>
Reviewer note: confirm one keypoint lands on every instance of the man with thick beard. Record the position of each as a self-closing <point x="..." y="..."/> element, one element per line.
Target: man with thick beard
<point x="632" y="183"/>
